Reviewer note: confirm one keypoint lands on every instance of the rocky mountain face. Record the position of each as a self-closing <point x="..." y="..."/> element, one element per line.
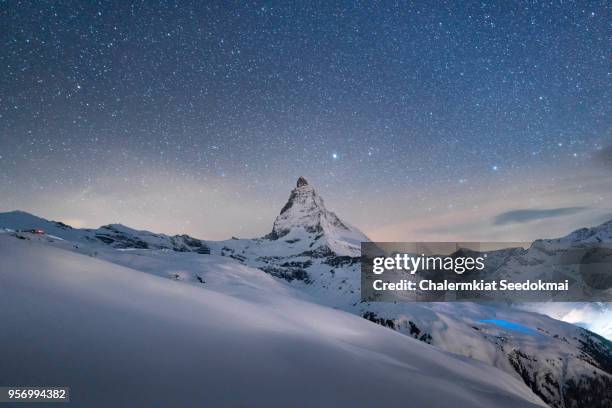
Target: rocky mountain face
<point x="317" y="254"/>
<point x="305" y="211"/>
<point x="305" y="216"/>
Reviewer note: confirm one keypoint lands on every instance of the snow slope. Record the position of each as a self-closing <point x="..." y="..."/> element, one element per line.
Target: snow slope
<point x="123" y="338"/>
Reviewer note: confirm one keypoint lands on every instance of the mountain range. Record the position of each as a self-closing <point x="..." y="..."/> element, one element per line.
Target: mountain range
<point x="284" y="311"/>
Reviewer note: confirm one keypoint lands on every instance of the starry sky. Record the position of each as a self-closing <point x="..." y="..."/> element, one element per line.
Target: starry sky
<point x="414" y="120"/>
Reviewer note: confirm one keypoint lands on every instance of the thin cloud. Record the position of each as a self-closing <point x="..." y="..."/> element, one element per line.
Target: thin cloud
<point x="522" y="216"/>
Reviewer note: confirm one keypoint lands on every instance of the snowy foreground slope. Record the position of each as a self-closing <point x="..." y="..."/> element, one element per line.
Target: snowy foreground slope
<point x="123" y="338"/>
<point x="312" y="257"/>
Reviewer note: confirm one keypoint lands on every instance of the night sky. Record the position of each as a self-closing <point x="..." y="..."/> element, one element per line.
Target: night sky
<point x="415" y="121"/>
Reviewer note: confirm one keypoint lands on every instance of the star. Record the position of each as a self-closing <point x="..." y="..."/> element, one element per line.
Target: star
<point x="216" y="98"/>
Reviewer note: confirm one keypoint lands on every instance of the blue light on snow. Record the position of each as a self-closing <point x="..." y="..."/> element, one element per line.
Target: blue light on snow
<point x="510" y="326"/>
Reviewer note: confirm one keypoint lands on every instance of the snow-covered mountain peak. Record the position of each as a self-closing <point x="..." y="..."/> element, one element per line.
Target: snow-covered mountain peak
<point x="303" y="199"/>
<point x="599" y="233"/>
<point x="305" y="210"/>
<point x="305" y="216"/>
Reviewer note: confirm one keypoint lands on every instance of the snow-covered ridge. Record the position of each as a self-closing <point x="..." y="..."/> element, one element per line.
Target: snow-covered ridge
<point x="598" y="234"/>
<point x="114" y="235"/>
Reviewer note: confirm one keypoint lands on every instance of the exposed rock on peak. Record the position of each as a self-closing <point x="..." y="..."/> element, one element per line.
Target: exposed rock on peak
<point x="302" y="182"/>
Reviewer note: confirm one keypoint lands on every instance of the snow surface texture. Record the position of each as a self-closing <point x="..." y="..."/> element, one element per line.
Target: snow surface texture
<point x="123" y="338"/>
<point x="311" y="257"/>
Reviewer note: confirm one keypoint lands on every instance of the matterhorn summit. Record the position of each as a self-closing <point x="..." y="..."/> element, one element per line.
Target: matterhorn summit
<point x="304" y="217"/>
